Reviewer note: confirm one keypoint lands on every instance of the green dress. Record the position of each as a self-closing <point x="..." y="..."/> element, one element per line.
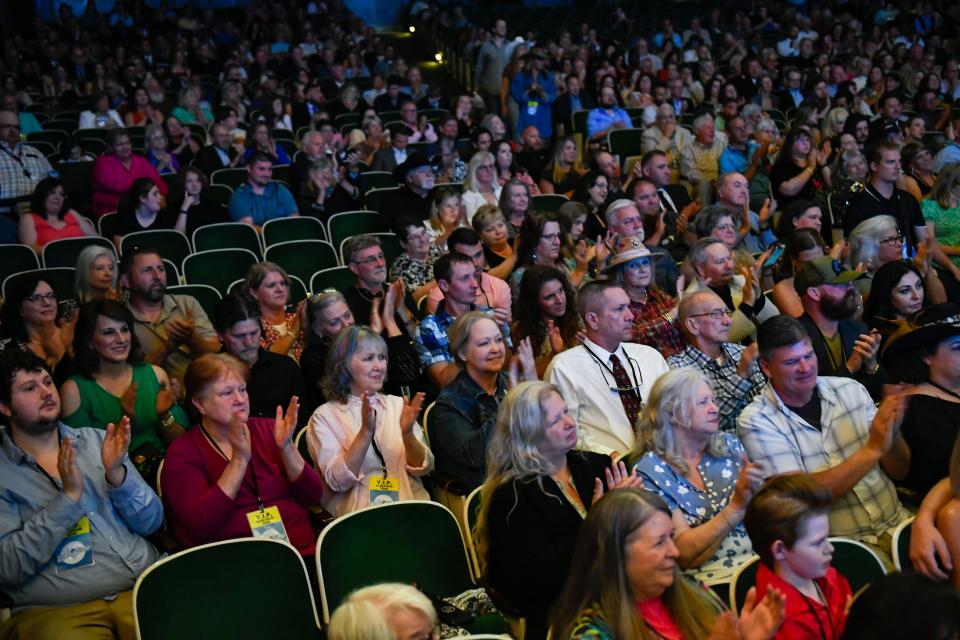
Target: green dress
<point x="946" y="224"/>
<point x="99" y="407"/>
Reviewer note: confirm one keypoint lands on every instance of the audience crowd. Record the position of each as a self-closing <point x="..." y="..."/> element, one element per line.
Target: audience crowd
<point x="675" y="298"/>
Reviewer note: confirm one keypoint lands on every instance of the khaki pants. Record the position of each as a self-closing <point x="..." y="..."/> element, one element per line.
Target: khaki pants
<point x="94" y="620"/>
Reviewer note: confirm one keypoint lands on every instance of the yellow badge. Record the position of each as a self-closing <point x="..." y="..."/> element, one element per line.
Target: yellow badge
<point x="384" y="490"/>
<point x="76" y="548"/>
<point x="266" y="523"/>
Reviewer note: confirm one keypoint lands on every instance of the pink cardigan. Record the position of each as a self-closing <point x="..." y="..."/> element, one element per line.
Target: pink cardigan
<point x="199" y="510"/>
<point x="111" y="180"/>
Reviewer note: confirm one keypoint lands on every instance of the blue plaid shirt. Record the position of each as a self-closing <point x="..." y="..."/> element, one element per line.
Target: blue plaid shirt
<point x="433" y="344"/>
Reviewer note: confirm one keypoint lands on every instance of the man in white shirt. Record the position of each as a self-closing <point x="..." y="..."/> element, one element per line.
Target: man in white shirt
<point x="605" y="380"/>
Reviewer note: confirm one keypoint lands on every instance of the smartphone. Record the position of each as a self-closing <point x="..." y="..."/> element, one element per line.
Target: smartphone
<point x="774" y="256"/>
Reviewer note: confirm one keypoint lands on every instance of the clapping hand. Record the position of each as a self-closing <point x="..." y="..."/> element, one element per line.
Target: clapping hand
<point x="410" y="412"/>
<point x="239" y="439"/>
<point x="113" y="450"/>
<point x="70" y="474"/>
<point x="524" y="362"/>
<point x="285" y="423"/>
<point x="553" y="334"/>
<point x="750" y="478"/>
<point x="617" y="478"/>
<point x="864" y="354"/>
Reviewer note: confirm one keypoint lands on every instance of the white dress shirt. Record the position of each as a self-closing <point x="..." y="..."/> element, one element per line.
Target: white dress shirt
<point x="586" y="386"/>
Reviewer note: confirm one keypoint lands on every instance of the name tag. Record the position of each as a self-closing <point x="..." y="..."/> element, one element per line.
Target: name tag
<point x="266" y="523"/>
<point x="76" y="549"/>
<point x="384" y="490"/>
<point x="532" y="107"/>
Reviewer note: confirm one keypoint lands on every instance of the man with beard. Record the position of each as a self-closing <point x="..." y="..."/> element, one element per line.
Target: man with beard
<point x="712" y="265"/>
<point x="607" y="117"/>
<point x="274" y="378"/>
<point x="73" y="514"/>
<point x="172" y="329"/>
<point x="845" y="346"/>
<point x="531" y="156"/>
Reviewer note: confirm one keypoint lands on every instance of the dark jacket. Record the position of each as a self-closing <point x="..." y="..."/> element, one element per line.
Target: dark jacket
<point x="849" y="331"/>
<point x="208" y="160"/>
<point x="460" y="427"/>
<point x="563" y="111"/>
<point x="531" y="533"/>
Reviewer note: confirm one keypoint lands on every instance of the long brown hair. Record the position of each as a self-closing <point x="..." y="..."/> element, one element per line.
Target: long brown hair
<point x="598" y="575"/>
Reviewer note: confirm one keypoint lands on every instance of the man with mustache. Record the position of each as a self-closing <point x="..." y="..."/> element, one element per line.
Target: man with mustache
<point x="845" y="346"/>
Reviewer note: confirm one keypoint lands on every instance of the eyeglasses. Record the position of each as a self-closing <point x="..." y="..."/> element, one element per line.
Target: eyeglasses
<point x="417" y="237"/>
<point x="550" y="237"/>
<point x="372" y="260"/>
<point x="892" y="240"/>
<point x="726" y="226"/>
<point x="484" y="166"/>
<point x="45" y="297"/>
<point x="716" y="314"/>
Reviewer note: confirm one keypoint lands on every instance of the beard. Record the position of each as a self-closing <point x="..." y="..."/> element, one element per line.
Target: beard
<point x="33" y="428"/>
<point x="841" y="309"/>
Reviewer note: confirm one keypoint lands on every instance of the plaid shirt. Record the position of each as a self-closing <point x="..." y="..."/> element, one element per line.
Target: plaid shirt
<point x="651" y="328"/>
<point x="732" y="392"/>
<point x="782" y="442"/>
<point x="433" y="344"/>
<point x="21" y="168"/>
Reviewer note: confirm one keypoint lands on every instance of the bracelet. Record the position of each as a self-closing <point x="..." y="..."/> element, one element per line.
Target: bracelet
<point x="168" y="419"/>
<point x="873" y="371"/>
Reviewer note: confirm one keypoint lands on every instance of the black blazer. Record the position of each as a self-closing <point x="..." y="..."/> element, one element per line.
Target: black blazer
<point x="531" y="534"/>
<point x="384" y="160"/>
<point x="208" y="160"/>
<point x="563" y="110"/>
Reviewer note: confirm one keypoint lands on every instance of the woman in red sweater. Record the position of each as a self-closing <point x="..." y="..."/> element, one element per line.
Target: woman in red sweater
<point x="233" y="476"/>
<point x="115" y="171"/>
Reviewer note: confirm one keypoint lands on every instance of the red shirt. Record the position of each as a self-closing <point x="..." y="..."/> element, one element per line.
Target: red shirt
<point x="199" y="510"/>
<point x="803" y="614"/>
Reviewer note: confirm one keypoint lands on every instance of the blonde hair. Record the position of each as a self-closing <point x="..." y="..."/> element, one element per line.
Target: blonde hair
<point x="514" y="448"/>
<point x="669" y="408"/>
<point x="947" y="179"/>
<point x="363" y="615"/>
<point x="486" y="215"/>
<point x="470" y="182"/>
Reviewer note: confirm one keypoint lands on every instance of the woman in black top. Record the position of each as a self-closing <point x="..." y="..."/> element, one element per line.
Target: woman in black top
<point x="142" y="210"/>
<point x="536" y="495"/>
<point x="193" y="199"/>
<point x="927" y="355"/>
<point x="323" y="195"/>
<point x="795" y="173"/>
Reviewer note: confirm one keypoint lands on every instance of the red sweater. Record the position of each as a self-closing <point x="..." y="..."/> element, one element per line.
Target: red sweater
<point x="111" y="180"/>
<point x="800" y="622"/>
<point x="199" y="510"/>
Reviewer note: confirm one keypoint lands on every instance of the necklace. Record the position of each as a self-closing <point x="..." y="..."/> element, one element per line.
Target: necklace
<point x="949" y="392"/>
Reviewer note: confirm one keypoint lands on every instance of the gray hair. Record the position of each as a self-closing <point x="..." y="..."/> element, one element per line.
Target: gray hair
<point x="698" y="253"/>
<point x="459" y="332"/>
<point x="615" y="206"/>
<point x="701" y="120"/>
<point x="86" y="258"/>
<point x="768" y="125"/>
<point x="336" y="381"/>
<point x="364" y="613"/>
<point x="666" y="109"/>
<point x="669" y="408"/>
<point x="865" y="240"/>
<point x="355" y="244"/>
<point x="305" y="140"/>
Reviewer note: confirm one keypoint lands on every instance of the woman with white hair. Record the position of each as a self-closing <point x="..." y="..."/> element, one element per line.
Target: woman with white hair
<point x="388" y="611"/>
<point x="666" y="136"/>
<point x="481" y="185"/>
<point x="538" y="489"/>
<point x="701" y="473"/>
<point x="96" y="274"/>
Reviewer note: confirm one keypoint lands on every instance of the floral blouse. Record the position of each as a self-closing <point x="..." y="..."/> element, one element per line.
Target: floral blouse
<point x="719" y="477"/>
<point x="272" y="333"/>
<point x="415" y="274"/>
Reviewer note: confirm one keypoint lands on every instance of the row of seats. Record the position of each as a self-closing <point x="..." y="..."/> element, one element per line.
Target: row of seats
<point x="270" y="587"/>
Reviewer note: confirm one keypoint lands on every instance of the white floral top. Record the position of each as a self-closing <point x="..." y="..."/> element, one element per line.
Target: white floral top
<point x="719" y="477"/>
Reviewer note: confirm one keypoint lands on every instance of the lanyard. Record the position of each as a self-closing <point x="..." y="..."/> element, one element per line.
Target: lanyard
<point x="376" y="447"/>
<point x="813" y="611"/>
<point x="18" y="160"/>
<point x="253" y="472"/>
<point x="633" y="372"/>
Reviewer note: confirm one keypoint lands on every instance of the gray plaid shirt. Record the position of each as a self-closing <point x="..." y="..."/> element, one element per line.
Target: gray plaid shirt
<point x="732" y="392"/>
<point x="781" y="441"/>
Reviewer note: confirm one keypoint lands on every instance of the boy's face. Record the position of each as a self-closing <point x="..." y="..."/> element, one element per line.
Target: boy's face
<point x="810" y="556"/>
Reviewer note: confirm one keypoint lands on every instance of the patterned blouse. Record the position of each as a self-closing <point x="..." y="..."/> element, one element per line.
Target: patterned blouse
<point x="415" y="274"/>
<point x="719" y="477"/>
<point x="271" y="333"/>
<point x="651" y="328"/>
<point x="591" y="625"/>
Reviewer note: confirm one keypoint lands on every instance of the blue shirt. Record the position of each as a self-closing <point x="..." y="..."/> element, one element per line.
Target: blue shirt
<point x="736" y="160"/>
<point x="534" y="110"/>
<point x="276" y="202"/>
<point x="599" y="119"/>
<point x="35" y="516"/>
